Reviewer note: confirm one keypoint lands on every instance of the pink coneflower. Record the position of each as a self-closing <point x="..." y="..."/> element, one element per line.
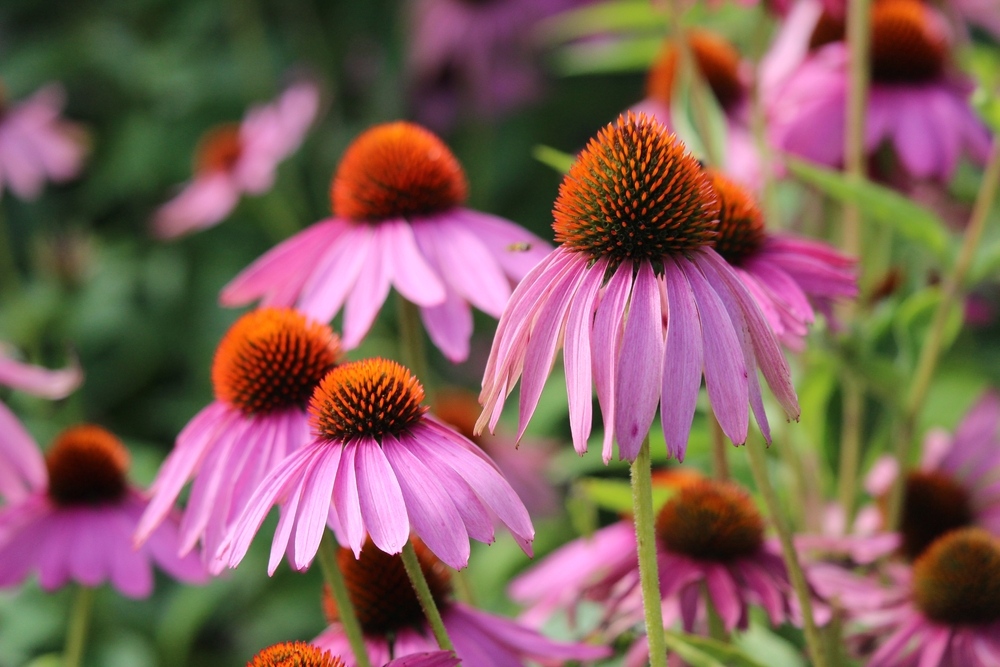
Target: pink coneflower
<point x="380" y="467"/>
<point x="77" y="524"/>
<point x="233" y="160"/>
<point x="300" y="654"/>
<point x="393" y="623"/>
<point x="264" y="372"/>
<point x="398" y="221"/>
<point x="636" y="217"/>
<point x="917" y="103"/>
<point x="785" y="274"/>
<point x="36" y="145"/>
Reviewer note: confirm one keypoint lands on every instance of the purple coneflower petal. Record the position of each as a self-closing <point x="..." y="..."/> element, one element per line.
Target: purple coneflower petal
<point x="514" y="248"/>
<point x="892" y="649"/>
<point x="577" y="355"/>
<point x="336" y="272"/>
<point x="345" y="495"/>
<point x="53" y="384"/>
<point x="411" y="274"/>
<point x="22" y="468"/>
<point x="449" y="326"/>
<point x="682" y="361"/>
<point x="382" y="507"/>
<point x="317" y="492"/>
<point x="607" y="342"/>
<point x="369" y="292"/>
<point x="725" y="594"/>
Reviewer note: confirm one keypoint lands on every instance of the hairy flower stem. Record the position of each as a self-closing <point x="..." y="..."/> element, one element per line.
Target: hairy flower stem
<point x="720" y="467"/>
<point x="645" y="539"/>
<point x="758" y="466"/>
<point x="423" y="592"/>
<point x="951" y="293"/>
<point x="345" y="608"/>
<point x="411" y="339"/>
<point x="79" y="622"/>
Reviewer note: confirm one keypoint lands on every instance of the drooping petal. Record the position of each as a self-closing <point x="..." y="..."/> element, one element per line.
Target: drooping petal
<point x="345" y="495"/>
<point x="382" y="505"/>
<point x="336" y="272"/>
<point x="577" y="355"/>
<point x="606" y="343"/>
<point x="44" y="382"/>
<point x="682" y="361"/>
<point x="412" y="275"/>
<point x="369" y="293"/>
<point x="22" y="468"/>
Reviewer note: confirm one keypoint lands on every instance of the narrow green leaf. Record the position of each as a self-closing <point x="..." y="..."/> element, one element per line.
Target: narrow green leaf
<point x="632" y="54"/>
<point x="552" y="157"/>
<point x="615" y="495"/>
<point x="985" y="265"/>
<point x="601" y="19"/>
<point x="705" y="652"/>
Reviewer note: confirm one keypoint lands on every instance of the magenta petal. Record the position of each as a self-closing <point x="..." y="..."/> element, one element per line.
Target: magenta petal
<point x="317" y="494"/>
<point x="22" y="468"/>
<point x="337" y="272"/>
<point x="606" y="342"/>
<point x="725" y="595"/>
<point x="345" y="495"/>
<point x="369" y="293"/>
<point x="413" y="277"/>
<point x="577" y="355"/>
<point x="54" y="384"/>
<point x="682" y="361"/>
<point x="382" y="506"/>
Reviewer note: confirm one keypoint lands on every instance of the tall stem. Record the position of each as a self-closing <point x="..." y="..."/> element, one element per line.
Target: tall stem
<point x="79" y="622"/>
<point x="645" y="537"/>
<point x="411" y="339"/>
<point x="345" y="608"/>
<point x="9" y="278"/>
<point x="758" y="466"/>
<point x="720" y="466"/>
<point x="850" y="443"/>
<point x="931" y="350"/>
<point x="425" y="597"/>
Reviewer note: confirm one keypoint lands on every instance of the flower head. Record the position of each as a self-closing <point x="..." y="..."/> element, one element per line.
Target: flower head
<point x="300" y="654"/>
<point x="398" y="220"/>
<point x="641" y="302"/>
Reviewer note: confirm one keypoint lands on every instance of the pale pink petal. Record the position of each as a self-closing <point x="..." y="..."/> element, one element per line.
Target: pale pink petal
<point x="22" y="467"/>
<point x="54" y="384"/>
<point x="369" y="292"/>
<point x="606" y="341"/>
<point x="336" y="274"/>
<point x="345" y="496"/>
<point x="316" y="498"/>
<point x="382" y="505"/>
<point x="577" y="355"/>
<point x="449" y="326"/>
<point x="412" y="276"/>
<point x="682" y="361"/>
<point x="203" y="202"/>
<point x="515" y="249"/>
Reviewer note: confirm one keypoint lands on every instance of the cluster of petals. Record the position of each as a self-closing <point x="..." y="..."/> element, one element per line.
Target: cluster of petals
<point x="248" y="160"/>
<point x="36" y="144"/>
<point x="301" y="654"/>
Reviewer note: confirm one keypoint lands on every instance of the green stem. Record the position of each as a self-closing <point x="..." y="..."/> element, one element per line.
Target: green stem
<point x="9" y="278"/>
<point x="645" y="536"/>
<point x="345" y="608"/>
<point x="931" y="350"/>
<point x="720" y="466"/>
<point x="79" y="622"/>
<point x="423" y="591"/>
<point x="850" y="443"/>
<point x="758" y="466"/>
<point x="411" y="339"/>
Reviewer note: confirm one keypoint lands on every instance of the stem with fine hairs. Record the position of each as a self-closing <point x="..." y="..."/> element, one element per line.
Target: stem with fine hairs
<point x="345" y="608"/>
<point x="426" y="599"/>
<point x="645" y="538"/>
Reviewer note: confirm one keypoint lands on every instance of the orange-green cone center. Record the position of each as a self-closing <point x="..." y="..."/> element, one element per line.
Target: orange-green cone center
<point x="273" y="358"/>
<point x="718" y="63"/>
<point x="219" y="149"/>
<point x="710" y="520"/>
<point x="368" y="398"/>
<point x="907" y="46"/>
<point x="933" y="505"/>
<point x="294" y="654"/>
<point x="741" y="223"/>
<point x="380" y="591"/>
<point x="957" y="580"/>
<point x="635" y="193"/>
<point x="397" y="170"/>
<point x="86" y="466"/>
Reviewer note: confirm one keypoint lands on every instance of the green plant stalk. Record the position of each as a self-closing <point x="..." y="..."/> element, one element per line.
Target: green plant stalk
<point x="758" y="466"/>
<point x="850" y="443"/>
<point x="9" y="278"/>
<point x="345" y="608"/>
<point x="645" y="537"/>
<point x="411" y="339"/>
<point x="79" y="622"/>
<point x="930" y="353"/>
<point x="720" y="466"/>
<point x="423" y="592"/>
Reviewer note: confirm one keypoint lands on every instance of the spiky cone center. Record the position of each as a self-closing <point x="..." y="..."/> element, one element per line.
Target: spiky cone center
<point x="710" y="520"/>
<point x="295" y="654"/>
<point x="957" y="580"/>
<point x="86" y="465"/>
<point x="909" y="44"/>
<point x="460" y="409"/>
<point x="272" y="359"/>
<point x="218" y="149"/>
<point x="367" y="398"/>
<point x="741" y="223"/>
<point x="718" y="63"/>
<point x="397" y="170"/>
<point x="381" y="592"/>
<point x="636" y="193"/>
<point x="933" y="504"/>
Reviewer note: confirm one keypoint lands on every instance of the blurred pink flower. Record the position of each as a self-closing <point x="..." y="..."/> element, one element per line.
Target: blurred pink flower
<point x="380" y="467"/>
<point x="233" y="160"/>
<point x="300" y="654"/>
<point x="398" y="221"/>
<point x="264" y="372"/>
<point x="37" y="145"/>
<point x="77" y="523"/>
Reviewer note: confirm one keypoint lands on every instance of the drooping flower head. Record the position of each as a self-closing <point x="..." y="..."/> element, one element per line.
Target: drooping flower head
<point x="77" y="524"/>
<point x="264" y="372"/>
<point x="398" y="220"/>
<point x="236" y="159"/>
<point x="393" y="623"/>
<point x="380" y="467"/>
<point x="301" y="654"/>
<point x="640" y="302"/>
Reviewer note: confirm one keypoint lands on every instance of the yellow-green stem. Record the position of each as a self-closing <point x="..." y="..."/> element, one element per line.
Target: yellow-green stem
<point x="9" y="278"/>
<point x="411" y="339"/>
<point x="79" y="622"/>
<point x="645" y="536"/>
<point x="720" y="466"/>
<point x="423" y="592"/>
<point x="345" y="608"/>
<point x="850" y="443"/>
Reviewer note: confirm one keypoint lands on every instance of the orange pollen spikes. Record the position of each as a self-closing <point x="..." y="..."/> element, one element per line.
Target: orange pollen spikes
<point x="294" y="654"/>
<point x="273" y="358"/>
<point x="219" y="149"/>
<point x="909" y="42"/>
<point x="635" y="192"/>
<point x="710" y="520"/>
<point x="741" y="223"/>
<point x="717" y="60"/>
<point x="397" y="170"/>
<point x="957" y="580"/>
<point x="368" y="398"/>
<point x="86" y="466"/>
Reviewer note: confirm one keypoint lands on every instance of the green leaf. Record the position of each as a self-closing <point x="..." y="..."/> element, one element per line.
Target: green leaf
<point x="601" y="19"/>
<point x="692" y="99"/>
<point x="880" y="205"/>
<point x="553" y="157"/>
<point x="633" y="54"/>
<point x="985" y="265"/>
<point x="705" y="652"/>
<point x="913" y="317"/>
<point x="615" y="495"/>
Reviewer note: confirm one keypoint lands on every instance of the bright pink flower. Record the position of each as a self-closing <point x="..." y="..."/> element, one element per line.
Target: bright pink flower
<point x="264" y="372"/>
<point x="37" y="145"/>
<point x="917" y="104"/>
<point x="380" y="467"/>
<point x="233" y="160"/>
<point x="398" y="221"/>
<point x="300" y="654"/>
<point x="393" y="623"/>
<point x="636" y="216"/>
<point x="77" y="523"/>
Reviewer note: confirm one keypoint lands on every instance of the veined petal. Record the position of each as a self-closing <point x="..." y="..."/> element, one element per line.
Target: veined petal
<point x="316" y="498"/>
<point x="382" y="505"/>
<point x="449" y="326"/>
<point x="606" y="342"/>
<point x="682" y="361"/>
<point x="336" y="272"/>
<point x="345" y="496"/>
<point x="577" y="355"/>
<point x="369" y="292"/>
<point x="412" y="275"/>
